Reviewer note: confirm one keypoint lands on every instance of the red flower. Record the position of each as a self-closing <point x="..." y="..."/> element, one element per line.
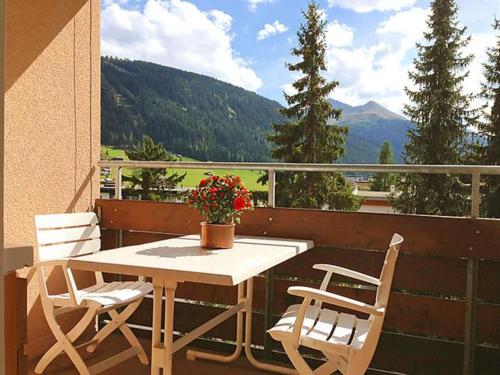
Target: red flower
<point x="239" y="203"/>
<point x="203" y="182"/>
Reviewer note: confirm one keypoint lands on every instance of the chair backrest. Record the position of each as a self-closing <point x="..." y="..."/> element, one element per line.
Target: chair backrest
<point x="67" y="235"/>
<point x="387" y="273"/>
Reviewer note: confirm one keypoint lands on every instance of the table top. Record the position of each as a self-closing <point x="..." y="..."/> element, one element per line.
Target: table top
<point x="182" y="259"/>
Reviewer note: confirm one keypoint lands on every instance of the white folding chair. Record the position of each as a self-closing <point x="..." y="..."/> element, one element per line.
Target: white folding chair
<point x="347" y="342"/>
<point x="60" y="237"/>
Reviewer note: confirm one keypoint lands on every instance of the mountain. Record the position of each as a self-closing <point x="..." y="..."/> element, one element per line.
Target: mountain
<point x="369" y="126"/>
<point x="207" y="119"/>
<point x="190" y="114"/>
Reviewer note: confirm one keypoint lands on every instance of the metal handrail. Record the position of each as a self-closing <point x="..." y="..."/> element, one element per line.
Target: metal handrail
<point x="473" y="170"/>
<point x="307" y="167"/>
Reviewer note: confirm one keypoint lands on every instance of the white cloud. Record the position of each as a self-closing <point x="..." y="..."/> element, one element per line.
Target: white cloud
<point x="378" y="71"/>
<point x="176" y="33"/>
<point x="222" y="20"/>
<point x="253" y="4"/>
<point x="338" y="34"/>
<point x="364" y="6"/>
<point x="477" y="47"/>
<point x="271" y="29"/>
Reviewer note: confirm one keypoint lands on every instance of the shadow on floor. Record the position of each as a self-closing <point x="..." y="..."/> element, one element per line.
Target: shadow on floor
<point x="116" y="343"/>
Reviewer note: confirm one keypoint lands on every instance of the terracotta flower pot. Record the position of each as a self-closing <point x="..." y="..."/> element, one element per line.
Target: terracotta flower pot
<point x="217" y="236"/>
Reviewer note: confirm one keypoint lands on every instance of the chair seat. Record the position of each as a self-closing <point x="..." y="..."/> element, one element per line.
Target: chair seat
<point x="323" y="329"/>
<point x="108" y="294"/>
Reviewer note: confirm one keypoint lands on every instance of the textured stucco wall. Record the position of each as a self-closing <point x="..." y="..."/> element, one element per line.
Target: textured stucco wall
<point x="52" y="122"/>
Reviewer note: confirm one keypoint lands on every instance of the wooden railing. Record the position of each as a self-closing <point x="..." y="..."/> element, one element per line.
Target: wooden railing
<point x="442" y="318"/>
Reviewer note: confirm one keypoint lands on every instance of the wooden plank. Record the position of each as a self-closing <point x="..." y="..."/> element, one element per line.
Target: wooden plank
<point x="488" y="283"/>
<point x="424" y="235"/>
<point x="488" y="324"/>
<point x="429" y="275"/>
<point x="108" y="238"/>
<point x="224" y="295"/>
<point x="487" y="360"/>
<point x="149" y="216"/>
<point x="415" y="355"/>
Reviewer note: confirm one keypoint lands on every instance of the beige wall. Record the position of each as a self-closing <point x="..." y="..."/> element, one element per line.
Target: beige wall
<point x="52" y="121"/>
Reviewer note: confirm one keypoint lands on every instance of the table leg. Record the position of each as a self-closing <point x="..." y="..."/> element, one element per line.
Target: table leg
<point x="169" y="326"/>
<point x="193" y="354"/>
<point x="156" y="347"/>
<point x="248" y="338"/>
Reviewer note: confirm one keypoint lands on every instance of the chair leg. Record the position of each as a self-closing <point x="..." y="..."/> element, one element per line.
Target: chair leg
<point x="65" y="343"/>
<point x="296" y="358"/>
<point x="133" y="341"/>
<point x="118" y="320"/>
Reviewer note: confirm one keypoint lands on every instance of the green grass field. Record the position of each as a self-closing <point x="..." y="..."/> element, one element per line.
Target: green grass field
<point x="193" y="176"/>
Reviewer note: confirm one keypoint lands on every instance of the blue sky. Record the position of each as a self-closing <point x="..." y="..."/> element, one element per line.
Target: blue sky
<point x="371" y="43"/>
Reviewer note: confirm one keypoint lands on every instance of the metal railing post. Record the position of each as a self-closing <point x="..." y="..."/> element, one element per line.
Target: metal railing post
<point x="471" y="286"/>
<point x="269" y="306"/>
<point x="470" y="316"/>
<point x="118" y="183"/>
<point x="271" y="188"/>
<point x="475" y="194"/>
<point x="118" y="195"/>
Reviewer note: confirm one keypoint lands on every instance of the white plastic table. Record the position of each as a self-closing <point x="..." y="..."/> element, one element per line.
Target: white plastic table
<point x="182" y="259"/>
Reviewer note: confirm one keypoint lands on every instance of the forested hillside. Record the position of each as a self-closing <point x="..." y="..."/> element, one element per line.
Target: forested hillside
<point x="208" y="119"/>
<point x="189" y="113"/>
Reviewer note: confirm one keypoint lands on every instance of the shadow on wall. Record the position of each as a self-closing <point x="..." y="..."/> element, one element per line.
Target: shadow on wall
<point x="85" y="184"/>
<point x="51" y="16"/>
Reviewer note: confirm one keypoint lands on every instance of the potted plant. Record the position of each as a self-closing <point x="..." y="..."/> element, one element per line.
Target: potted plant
<point x="221" y="201"/>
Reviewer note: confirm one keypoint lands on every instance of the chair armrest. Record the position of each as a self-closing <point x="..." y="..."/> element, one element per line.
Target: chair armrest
<point x="347" y="272"/>
<point x="335" y="299"/>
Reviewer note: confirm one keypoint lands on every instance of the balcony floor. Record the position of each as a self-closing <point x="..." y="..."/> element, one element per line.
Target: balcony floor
<point x="115" y="343"/>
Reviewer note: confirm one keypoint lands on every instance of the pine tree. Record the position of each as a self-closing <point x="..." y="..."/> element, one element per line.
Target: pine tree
<point x="306" y="137"/>
<point x="383" y="181"/>
<point x="490" y="128"/>
<point x="441" y="112"/>
<point x="155" y="183"/>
